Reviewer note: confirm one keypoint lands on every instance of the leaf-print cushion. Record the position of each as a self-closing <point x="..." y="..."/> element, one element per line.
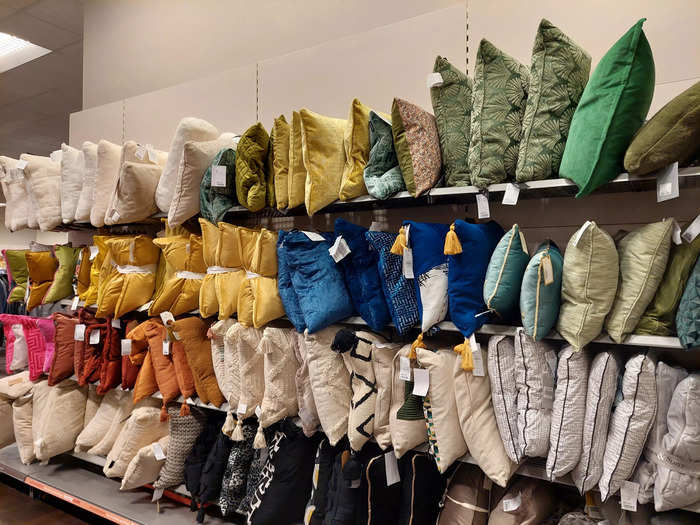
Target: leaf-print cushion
<point x="498" y="105"/>
<point x="382" y="174"/>
<point x="558" y="74"/>
<point x="452" y="104"/>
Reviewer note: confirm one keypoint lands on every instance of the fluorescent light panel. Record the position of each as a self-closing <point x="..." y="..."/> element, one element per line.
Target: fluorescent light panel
<point x="15" y="51"/>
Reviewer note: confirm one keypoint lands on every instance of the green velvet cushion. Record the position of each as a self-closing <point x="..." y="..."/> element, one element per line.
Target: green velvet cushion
<point x="62" y="285"/>
<point x="452" y="105"/>
<point x="558" y="74"/>
<point x="251" y="167"/>
<point x="540" y="296"/>
<point x="498" y="105"/>
<point x="504" y="274"/>
<point x="611" y="110"/>
<point x="659" y="317"/>
<point x="673" y="134"/>
<point x="17" y="268"/>
<point x="688" y="317"/>
<point x="382" y="174"/>
<point x="214" y="203"/>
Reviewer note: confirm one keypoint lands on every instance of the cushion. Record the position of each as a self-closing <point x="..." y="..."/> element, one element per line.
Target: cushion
<point x="535" y="369"/>
<point x="17" y="271"/>
<point x="235" y="336"/>
<point x="184" y="431"/>
<point x="504" y="393"/>
<point x="501" y="85"/>
<point x="42" y="266"/>
<point x="383" y="502"/>
<point x="467" y="498"/>
<point x="504" y="275"/>
<point x="382" y="174"/>
<point x="62" y="421"/>
<point x="197" y="458"/>
<point x="142" y="428"/>
<point x="417" y="146"/>
<point x="7" y="431"/>
<point x="108" y="166"/>
<point x="87" y="188"/>
<point x="362" y="275"/>
<point x="330" y="383"/>
<point x="237" y="470"/>
<point x="659" y="317"/>
<point x="216" y="334"/>
<point x="72" y="170"/>
<point x="213" y="203"/>
<point x="44" y="187"/>
<point x="22" y="426"/>
<point x="558" y="73"/>
<point x="62" y="284"/>
<point x="279" y="150"/>
<point x="422" y="488"/>
<point x="14" y="188"/>
<point x="540" y="291"/>
<point x="612" y="108"/>
<point x="630" y="424"/>
<point x="356" y="145"/>
<point x="110" y="371"/>
<point x="251" y="167"/>
<point x="134" y="193"/>
<point x="408" y="427"/>
<point x="251" y="369"/>
<point x="383" y="354"/>
<point x="40" y="397"/>
<point x="144" y="467"/>
<point x="288" y="295"/>
<point x="305" y="396"/>
<point x="326" y="456"/>
<point x="16" y="385"/>
<point x="100" y="423"/>
<point x="188" y="129"/>
<point x="145" y="384"/>
<point x="324" y="158"/>
<point x="643" y="257"/>
<point x="16" y="352"/>
<point x="537" y="503"/>
<point x="451" y="97"/>
<point x="213" y="471"/>
<point x="83" y="272"/>
<point x="296" y="180"/>
<point x="126" y="405"/>
<point x="47" y="331"/>
<point x="688" y="314"/>
<point x="588" y="284"/>
<point x="92" y="404"/>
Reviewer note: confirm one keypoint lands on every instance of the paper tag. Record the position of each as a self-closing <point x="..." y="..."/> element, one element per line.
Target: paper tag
<point x="407" y="263"/>
<point x="157" y="494"/>
<point x="667" y="183"/>
<point x="421" y="381"/>
<point x="628" y="495"/>
<point x="152" y="155"/>
<point x="580" y="231"/>
<point x="140" y="152"/>
<point x="510" y="197"/>
<point x="551" y="358"/>
<point x="434" y="80"/>
<point x="523" y="243"/>
<point x="692" y="230"/>
<point x="242" y="408"/>
<point x="340" y="249"/>
<point x="313" y="236"/>
<point x="166" y="347"/>
<point x="404" y="368"/>
<point x="158" y="451"/>
<point x="79" y="332"/>
<point x="94" y="250"/>
<point x="547" y="271"/>
<point x="512" y="504"/>
<point x="482" y="206"/>
<point x="126" y="347"/>
<point x="74" y="304"/>
<point x="477" y="357"/>
<point x="391" y="467"/>
<point x="167" y="317"/>
<point x="218" y="176"/>
<point x="21" y="164"/>
<point x="258" y="411"/>
<point x="355" y="483"/>
<point x="116" y="323"/>
<point x="676" y="233"/>
<point x="94" y="337"/>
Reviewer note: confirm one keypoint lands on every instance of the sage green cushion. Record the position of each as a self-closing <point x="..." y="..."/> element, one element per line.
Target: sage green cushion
<point x="498" y="106"/>
<point x="382" y="174"/>
<point x="659" y="317"/>
<point x="504" y="274"/>
<point x="589" y="282"/>
<point x="540" y="299"/>
<point x="688" y="317"/>
<point x="611" y="110"/>
<point x="643" y="256"/>
<point x="558" y="74"/>
<point x="252" y="169"/>
<point x="215" y="202"/>
<point x="672" y="135"/>
<point x="17" y="268"/>
<point x="452" y="105"/>
<point x="62" y="285"/>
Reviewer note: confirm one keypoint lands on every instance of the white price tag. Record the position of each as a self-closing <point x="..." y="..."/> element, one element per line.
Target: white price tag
<point x="407" y="263"/>
<point x="692" y="230"/>
<point x="94" y="337"/>
<point x="218" y="176"/>
<point x="74" y="304"/>
<point x="676" y="233"/>
<point x="313" y="236"/>
<point x="340" y="249"/>
<point x="167" y="317"/>
<point x="258" y="411"/>
<point x="116" y="323"/>
<point x="158" y="451"/>
<point x="166" y="347"/>
<point x="667" y="183"/>
<point x="434" y="80"/>
<point x="94" y="250"/>
<point x="523" y="243"/>
<point x="21" y="164"/>
<point x="404" y="368"/>
<point x="242" y="408"/>
<point x="421" y="381"/>
<point x="628" y="495"/>
<point x="152" y="155"/>
<point x="512" y="504"/>
<point x="477" y="357"/>
<point x="126" y="347"/>
<point x="482" y="206"/>
<point x="79" y="332"/>
<point x="579" y="233"/>
<point x="510" y="197"/>
<point x="391" y="467"/>
<point x="547" y="270"/>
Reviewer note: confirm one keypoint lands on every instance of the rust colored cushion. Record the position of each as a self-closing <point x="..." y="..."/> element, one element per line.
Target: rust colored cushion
<point x="87" y="318"/>
<point x="111" y="366"/>
<point x="146" y="384"/>
<point x="185" y="379"/>
<point x="64" y="344"/>
<point x="92" y="357"/>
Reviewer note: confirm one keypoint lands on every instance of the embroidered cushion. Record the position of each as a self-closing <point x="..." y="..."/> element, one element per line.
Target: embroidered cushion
<point x="85" y="199"/>
<point x="356" y="145"/>
<point x="72" y="170"/>
<point x="43" y="178"/>
<point x="408" y="427"/>
<point x="251" y="167"/>
<point x="251" y="369"/>
<point x="144" y="467"/>
<point x="504" y="275"/>
<point x="216" y="335"/>
<point x="540" y="291"/>
<point x="382" y="174"/>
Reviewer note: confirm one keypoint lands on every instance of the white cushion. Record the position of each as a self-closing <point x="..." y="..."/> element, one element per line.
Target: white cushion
<point x="232" y="363"/>
<point x="124" y="407"/>
<point x="82" y="209"/>
<point x="92" y="405"/>
<point x="133" y="198"/>
<point x="189" y="129"/>
<point x="405" y="434"/>
<point x="15" y="190"/>
<point x="62" y="420"/>
<point x="144" y="467"/>
<point x="22" y="423"/>
<point x="40" y="398"/>
<point x="280" y="368"/>
<point x="305" y="395"/>
<point x="72" y="174"/>
<point x="382" y="360"/>
<point x="44" y="186"/>
<point x="108" y="164"/>
<point x="504" y="393"/>
<point x="218" y="355"/>
<point x="251" y="368"/>
<point x="99" y="425"/>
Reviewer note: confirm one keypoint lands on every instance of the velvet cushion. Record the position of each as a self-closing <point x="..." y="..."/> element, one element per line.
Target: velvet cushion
<point x="279" y="150"/>
<point x="62" y="364"/>
<point x="688" y="316"/>
<point x="72" y="170"/>
<point x="382" y="174"/>
<point x="356" y="144"/>
<point x="213" y="203"/>
<point x="540" y="299"/>
<point x="41" y="266"/>
<point x="133" y="197"/>
<point x="288" y="295"/>
<point x="16" y="264"/>
<point x="296" y="180"/>
<point x="252" y="168"/>
<point x="62" y="285"/>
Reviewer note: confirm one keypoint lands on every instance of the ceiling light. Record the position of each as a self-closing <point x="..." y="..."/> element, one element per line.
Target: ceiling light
<point x="15" y="52"/>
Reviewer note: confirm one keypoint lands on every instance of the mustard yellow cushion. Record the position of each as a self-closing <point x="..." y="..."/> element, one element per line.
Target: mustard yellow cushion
<point x="84" y="272"/>
<point x="296" y="178"/>
<point x="231" y="258"/>
<point x="41" y="267"/>
<point x="356" y="143"/>
<point x="279" y="137"/>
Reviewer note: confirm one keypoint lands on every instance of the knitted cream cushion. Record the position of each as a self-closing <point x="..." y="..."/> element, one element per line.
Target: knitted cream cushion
<point x="99" y="424"/>
<point x="125" y="405"/>
<point x="183" y="431"/>
<point x="280" y="368"/>
<point x="232" y="362"/>
<point x="22" y="423"/>
<point x="305" y="395"/>
<point x="383" y="354"/>
<point x="218" y="355"/>
<point x="144" y="467"/>
<point x="406" y="434"/>
<point x="62" y="420"/>
<point x="504" y="393"/>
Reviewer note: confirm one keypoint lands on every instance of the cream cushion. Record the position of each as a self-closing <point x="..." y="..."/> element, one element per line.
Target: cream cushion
<point x="40" y="398"/>
<point x="504" y="392"/>
<point x="15" y="385"/>
<point x="22" y="422"/>
<point x="280" y="367"/>
<point x="405" y="434"/>
<point x="251" y="371"/>
<point x="219" y="356"/>
<point x="100" y="423"/>
<point x="305" y="395"/>
<point x="72" y="174"/>
<point x="44" y="185"/>
<point x="188" y="129"/>
<point x="92" y="405"/>
<point x="232" y="363"/>
<point x="144" y="467"/>
<point x="133" y="199"/>
<point x="15" y="190"/>
<point x="125" y="407"/>
<point x="108" y="164"/>
<point x="62" y="420"/>
<point x="382" y="361"/>
<point x="7" y="430"/>
<point x="82" y="209"/>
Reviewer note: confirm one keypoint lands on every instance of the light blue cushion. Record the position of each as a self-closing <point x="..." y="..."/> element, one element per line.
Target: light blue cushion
<point x="539" y="301"/>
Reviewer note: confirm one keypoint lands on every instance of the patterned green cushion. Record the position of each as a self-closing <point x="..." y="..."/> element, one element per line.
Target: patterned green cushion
<point x="558" y="74"/>
<point x="500" y="94"/>
<point x="452" y="105"/>
<point x="382" y="174"/>
<point x="688" y="317"/>
<point x="252" y="169"/>
<point x="17" y="269"/>
<point x="214" y="202"/>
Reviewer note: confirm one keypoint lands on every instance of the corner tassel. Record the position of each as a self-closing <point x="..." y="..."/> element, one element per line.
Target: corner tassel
<point x="259" y="441"/>
<point x="400" y="242"/>
<point x="163" y="413"/>
<point x="185" y="409"/>
<point x="237" y="434"/>
<point x="229" y="424"/>
<point x="418" y="343"/>
<point x="465" y="350"/>
<point x="452" y="244"/>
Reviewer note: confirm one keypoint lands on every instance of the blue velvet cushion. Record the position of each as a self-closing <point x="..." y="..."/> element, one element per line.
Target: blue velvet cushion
<point x="317" y="280"/>
<point x="362" y="275"/>
<point x="539" y="301"/>
<point x="398" y="291"/>
<point x="286" y="288"/>
<point x="467" y="271"/>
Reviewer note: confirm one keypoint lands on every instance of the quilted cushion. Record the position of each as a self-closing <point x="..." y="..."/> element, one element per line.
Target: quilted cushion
<point x="356" y="145"/>
<point x="408" y="427"/>
<point x="279" y="152"/>
<point x="108" y="165"/>
<point x="22" y="423"/>
<point x="144" y="467"/>
<point x="62" y="421"/>
<point x="504" y="393"/>
<point x="417" y="146"/>
<point x="16" y="264"/>
<point x="133" y="198"/>
<point x="504" y="274"/>
<point x="183" y="431"/>
<point x="213" y="202"/>
<point x="296" y="180"/>
<point x="305" y="396"/>
<point x="85" y="199"/>
<point x="252" y="168"/>
<point x="383" y="354"/>
<point x="687" y="323"/>
<point x="42" y="266"/>
<point x="558" y="74"/>
<point x="14" y="188"/>
<point x="382" y="175"/>
<point x="72" y="170"/>
<point x="643" y="257"/>
<point x="612" y="108"/>
<point x="62" y="284"/>
<point x="501" y="85"/>
<point x="324" y="158"/>
<point x="540" y="291"/>
<point x="588" y="286"/>
<point x="44" y="187"/>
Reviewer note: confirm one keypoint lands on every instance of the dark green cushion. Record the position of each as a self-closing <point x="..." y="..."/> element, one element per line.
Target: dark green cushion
<point x="688" y="316"/>
<point x="17" y="269"/>
<point x="672" y="135"/>
<point x="558" y="74"/>
<point x="382" y="174"/>
<point x="452" y="105"/>
<point x="252" y="168"/>
<point x="611" y="110"/>
<point x="214" y="203"/>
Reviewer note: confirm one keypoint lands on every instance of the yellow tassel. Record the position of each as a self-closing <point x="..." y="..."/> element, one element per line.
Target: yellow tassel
<point x="418" y="343"/>
<point x="452" y="244"/>
<point x="466" y="351"/>
<point x="400" y="242"/>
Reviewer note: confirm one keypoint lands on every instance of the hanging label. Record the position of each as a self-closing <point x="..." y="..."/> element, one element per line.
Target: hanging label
<point x="21" y="164"/>
<point x="407" y="264"/>
<point x="434" y="80"/>
<point x="482" y="206"/>
<point x="667" y="183"/>
<point x="258" y="411"/>
<point x="547" y="271"/>
<point x="313" y="236"/>
<point x="158" y="451"/>
<point x="477" y="357"/>
<point x="628" y="495"/>
<point x="523" y="244"/>
<point x="404" y="368"/>
<point x="94" y="337"/>
<point x="140" y="152"/>
<point x="167" y="317"/>
<point x="242" y="408"/>
<point x="79" y="332"/>
<point x="94" y="250"/>
<point x="166" y="347"/>
<point x="126" y="347"/>
<point x="580" y="231"/>
<point x="74" y="304"/>
<point x="340" y="249"/>
<point x="218" y="176"/>
<point x="421" y="381"/>
<point x="391" y="467"/>
<point x="510" y="197"/>
<point x="116" y="323"/>
<point x="157" y="494"/>
<point x="692" y="230"/>
<point x="152" y="155"/>
<point x="512" y="504"/>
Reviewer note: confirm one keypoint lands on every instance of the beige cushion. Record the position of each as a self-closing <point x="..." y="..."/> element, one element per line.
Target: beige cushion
<point x="108" y="165"/>
<point x="72" y="171"/>
<point x="40" y="398"/>
<point x="85" y="200"/>
<point x="218" y="355"/>
<point x="144" y="467"/>
<point x="537" y="503"/>
<point x="382" y="360"/>
<point x="15" y="385"/>
<point x="280" y="366"/>
<point x="22" y="423"/>
<point x="93" y="403"/>
<point x="305" y="395"/>
<point x="232" y="363"/>
<point x="405" y="434"/>
<point x="467" y="499"/>
<point x="62" y="420"/>
<point x="100" y="423"/>
<point x="14" y="188"/>
<point x="7" y="431"/>
<point x="132" y="151"/>
<point x="133" y="199"/>
<point x="251" y="368"/>
<point x="504" y="392"/>
<point x="43" y="178"/>
<point x="125" y="407"/>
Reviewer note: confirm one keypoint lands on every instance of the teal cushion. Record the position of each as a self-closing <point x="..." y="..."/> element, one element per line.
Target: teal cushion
<point x="382" y="174"/>
<point x="540" y="292"/>
<point x="688" y="316"/>
<point x="505" y="274"/>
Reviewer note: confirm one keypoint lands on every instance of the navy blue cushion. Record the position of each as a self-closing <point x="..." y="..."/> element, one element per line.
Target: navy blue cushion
<point x="286" y="288"/>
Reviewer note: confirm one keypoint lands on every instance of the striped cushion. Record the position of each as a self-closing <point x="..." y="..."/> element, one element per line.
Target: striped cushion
<point x="501" y="366"/>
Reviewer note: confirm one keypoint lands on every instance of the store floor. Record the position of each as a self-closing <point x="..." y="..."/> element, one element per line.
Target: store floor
<point x="19" y="508"/>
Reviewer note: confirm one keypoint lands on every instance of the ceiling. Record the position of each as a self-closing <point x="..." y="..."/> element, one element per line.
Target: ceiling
<point x="36" y="98"/>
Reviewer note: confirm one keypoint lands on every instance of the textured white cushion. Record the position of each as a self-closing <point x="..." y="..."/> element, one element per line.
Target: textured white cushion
<point x="189" y="129"/>
<point x="600" y="394"/>
<point x="44" y="185"/>
<point x="15" y="190"/>
<point x="72" y="172"/>
<point x="568" y="413"/>
<point x="232" y="363"/>
<point x="7" y="430"/>
<point x="22" y="423"/>
<point x="144" y="467"/>
<point x="16" y="385"/>
<point x="280" y="366"/>
<point x="504" y="393"/>
<point x="99" y="425"/>
<point x="405" y="434"/>
<point x="133" y="198"/>
<point x="82" y="209"/>
<point x="382" y="360"/>
<point x="305" y="395"/>
<point x="108" y="164"/>
<point x="630" y="424"/>
<point x="251" y="368"/>
<point x="62" y="420"/>
<point x="218" y="355"/>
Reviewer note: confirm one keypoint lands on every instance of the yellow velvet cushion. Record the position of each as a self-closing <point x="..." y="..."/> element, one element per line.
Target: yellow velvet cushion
<point x="356" y="143"/>
<point x="324" y="158"/>
<point x="41" y="267"/>
<point x="296" y="178"/>
<point x="83" y="273"/>
<point x="208" y="304"/>
<point x="279" y="137"/>
<point x="163" y="271"/>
